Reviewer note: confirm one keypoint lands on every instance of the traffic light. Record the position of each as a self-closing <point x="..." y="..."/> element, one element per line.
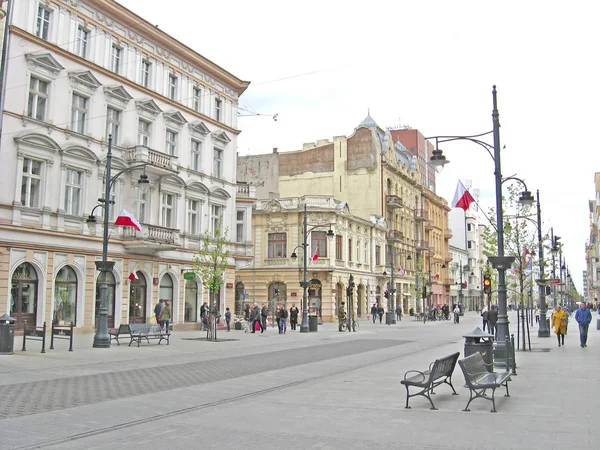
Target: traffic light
<point x="548" y="290"/>
<point x="386" y="294"/>
<point x="487" y="285"/>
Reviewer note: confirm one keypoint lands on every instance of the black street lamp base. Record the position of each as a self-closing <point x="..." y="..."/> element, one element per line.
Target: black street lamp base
<point x="544" y="333"/>
<point x="101" y="343"/>
<point x="390" y="318"/>
<point x="304" y="329"/>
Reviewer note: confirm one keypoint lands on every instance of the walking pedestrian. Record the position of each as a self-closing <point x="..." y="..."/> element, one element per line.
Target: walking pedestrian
<point x="559" y="323"/>
<point x="374" y="312"/>
<point x="456" y="312"/>
<point x="293" y="316"/>
<point x="283" y="315"/>
<point x="204" y="316"/>
<point x="398" y="313"/>
<point x="165" y="317"/>
<point x="537" y="316"/>
<point x="157" y="310"/>
<point x="380" y="313"/>
<point x="228" y="318"/>
<point x="257" y="319"/>
<point x="278" y="317"/>
<point x="492" y="320"/>
<point x="598" y="320"/>
<point x="264" y="313"/>
<point x="484" y="317"/>
<point x="251" y="319"/>
<point x="583" y="316"/>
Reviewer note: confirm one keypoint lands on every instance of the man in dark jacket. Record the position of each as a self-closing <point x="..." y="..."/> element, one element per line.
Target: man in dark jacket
<point x="492" y="320"/>
<point x="583" y="316"/>
<point x="374" y="312"/>
<point x="380" y="312"/>
<point x="257" y="319"/>
<point x="293" y="316"/>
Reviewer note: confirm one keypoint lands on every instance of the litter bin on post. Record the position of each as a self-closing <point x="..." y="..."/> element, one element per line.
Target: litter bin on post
<point x="313" y="322"/>
<point x="7" y="334"/>
<point x="482" y="342"/>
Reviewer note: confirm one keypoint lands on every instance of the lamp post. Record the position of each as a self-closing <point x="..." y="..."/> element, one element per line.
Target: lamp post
<point x="101" y="338"/>
<point x="304" y="328"/>
<point x="499" y="262"/>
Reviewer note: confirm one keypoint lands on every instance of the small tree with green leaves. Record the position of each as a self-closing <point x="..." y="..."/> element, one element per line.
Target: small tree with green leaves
<point x="209" y="264"/>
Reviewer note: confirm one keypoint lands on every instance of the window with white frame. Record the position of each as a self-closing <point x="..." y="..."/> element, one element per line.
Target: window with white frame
<point x="31" y="183"/>
<point x="73" y="188"/>
<point x="144" y="133"/>
<point x="171" y="142"/>
<point x="113" y="124"/>
<point x="196" y="98"/>
<point x="42" y="28"/>
<point x="115" y="58"/>
<point x="79" y="113"/>
<point x="218" y="107"/>
<point x="168" y="210"/>
<point x="366" y="260"/>
<point x="172" y="93"/>
<point x="217" y="162"/>
<point x="146" y="73"/>
<point x="193" y="215"/>
<point x="81" y="42"/>
<point x="140" y="204"/>
<point x="239" y="226"/>
<point x="38" y="99"/>
<point x="216" y="214"/>
<point x="196" y="155"/>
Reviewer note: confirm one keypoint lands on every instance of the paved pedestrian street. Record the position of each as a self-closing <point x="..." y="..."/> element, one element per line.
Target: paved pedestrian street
<point x="324" y="390"/>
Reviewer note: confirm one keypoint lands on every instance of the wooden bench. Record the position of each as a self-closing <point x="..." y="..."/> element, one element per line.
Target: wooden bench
<point x="479" y="379"/>
<point x="139" y="331"/>
<point x="114" y="333"/>
<point x="439" y="372"/>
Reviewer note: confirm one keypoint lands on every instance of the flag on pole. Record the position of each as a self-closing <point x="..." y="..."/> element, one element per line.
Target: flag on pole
<point x="133" y="276"/>
<point x="315" y="255"/>
<point x="126" y="219"/>
<point x="462" y="197"/>
<point x="401" y="271"/>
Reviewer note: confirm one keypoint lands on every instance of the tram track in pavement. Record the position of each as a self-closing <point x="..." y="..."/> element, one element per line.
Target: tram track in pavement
<point x="206" y="405"/>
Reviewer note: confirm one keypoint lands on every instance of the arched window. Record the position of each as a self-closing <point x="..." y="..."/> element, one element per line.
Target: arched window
<point x="137" y="299"/>
<point x="190" y="313"/>
<point x="240" y="296"/>
<point x="110" y="293"/>
<point x="65" y="296"/>
<point x="23" y="302"/>
<point x="166" y="289"/>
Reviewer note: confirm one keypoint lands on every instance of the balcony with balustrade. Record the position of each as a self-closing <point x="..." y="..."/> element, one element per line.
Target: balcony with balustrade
<point x="421" y="215"/>
<point x="448" y="233"/>
<point x="395" y="236"/>
<point x="421" y="245"/>
<point x="159" y="163"/>
<point x="393" y="201"/>
<point x="151" y="239"/>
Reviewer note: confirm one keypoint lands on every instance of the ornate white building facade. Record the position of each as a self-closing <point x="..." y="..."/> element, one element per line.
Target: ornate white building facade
<point x="79" y="71"/>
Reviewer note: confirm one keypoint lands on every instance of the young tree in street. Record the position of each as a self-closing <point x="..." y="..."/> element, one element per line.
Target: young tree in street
<point x="210" y="264"/>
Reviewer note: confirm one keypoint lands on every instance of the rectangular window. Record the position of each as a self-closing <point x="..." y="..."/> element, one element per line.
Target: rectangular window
<point x="113" y="123"/>
<point x="377" y="255"/>
<point x="115" y="58"/>
<point x="217" y="218"/>
<point x="366" y="260"/>
<point x="338" y="247"/>
<point x="43" y="23"/>
<point x="146" y="68"/>
<point x="144" y="133"/>
<point x="81" y="43"/>
<point x="218" y="106"/>
<point x="349" y="249"/>
<point x="78" y="113"/>
<point x="277" y="245"/>
<point x="469" y="244"/>
<point x="239" y="230"/>
<point x="38" y="99"/>
<point x="140" y="201"/>
<point x="469" y="227"/>
<point x="73" y="188"/>
<point x="168" y="210"/>
<point x="31" y="183"/>
<point x="193" y="213"/>
<point x="318" y="244"/>
<point x="217" y="162"/>
<point x="172" y="94"/>
<point x="196" y="155"/>
<point x="197" y="94"/>
<point x="171" y="143"/>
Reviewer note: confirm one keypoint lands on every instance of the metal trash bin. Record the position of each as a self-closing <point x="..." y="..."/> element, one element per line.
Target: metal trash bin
<point x="482" y="342"/>
<point x="237" y="326"/>
<point x="313" y="322"/>
<point x="7" y="334"/>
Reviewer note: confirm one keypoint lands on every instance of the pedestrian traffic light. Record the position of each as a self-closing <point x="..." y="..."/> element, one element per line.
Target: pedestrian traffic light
<point x="487" y="285"/>
<point x="386" y="294"/>
<point x="548" y="291"/>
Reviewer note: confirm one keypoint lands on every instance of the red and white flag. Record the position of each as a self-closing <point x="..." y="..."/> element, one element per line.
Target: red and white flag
<point x="126" y="219"/>
<point x="401" y="271"/>
<point x="462" y="197"/>
<point x="133" y="276"/>
<point x="315" y="255"/>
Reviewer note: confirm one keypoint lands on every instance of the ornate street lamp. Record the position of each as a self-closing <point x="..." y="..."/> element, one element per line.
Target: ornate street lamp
<point x="304" y="328"/>
<point x="390" y="317"/>
<point x="101" y="338"/>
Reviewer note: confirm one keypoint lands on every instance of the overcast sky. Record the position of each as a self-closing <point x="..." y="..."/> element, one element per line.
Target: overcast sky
<point x="431" y="65"/>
